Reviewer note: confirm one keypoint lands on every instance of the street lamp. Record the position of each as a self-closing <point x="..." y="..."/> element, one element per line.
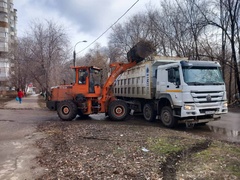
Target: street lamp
<point x="74" y="52"/>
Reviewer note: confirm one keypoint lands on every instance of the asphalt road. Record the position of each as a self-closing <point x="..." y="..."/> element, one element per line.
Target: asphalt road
<point x="17" y="143"/>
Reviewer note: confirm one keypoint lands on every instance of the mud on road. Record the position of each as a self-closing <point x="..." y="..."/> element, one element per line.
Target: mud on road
<point x="92" y="149"/>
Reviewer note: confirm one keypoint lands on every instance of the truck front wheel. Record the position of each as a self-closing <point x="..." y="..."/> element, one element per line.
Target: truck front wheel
<point x="167" y="117"/>
<point x="67" y="110"/>
<point x="148" y="112"/>
<point x="118" y="110"/>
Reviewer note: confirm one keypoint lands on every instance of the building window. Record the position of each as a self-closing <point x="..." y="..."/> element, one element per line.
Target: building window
<point x="133" y="90"/>
<point x="138" y="90"/>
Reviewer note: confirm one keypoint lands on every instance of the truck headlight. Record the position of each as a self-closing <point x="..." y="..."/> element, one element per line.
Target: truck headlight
<point x="189" y="107"/>
<point x="225" y="104"/>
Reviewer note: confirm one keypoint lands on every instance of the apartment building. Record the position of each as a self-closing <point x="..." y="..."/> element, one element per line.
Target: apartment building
<point x="8" y="35"/>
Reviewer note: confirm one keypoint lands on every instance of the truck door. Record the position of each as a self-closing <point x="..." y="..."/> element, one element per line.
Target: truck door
<point x="173" y="85"/>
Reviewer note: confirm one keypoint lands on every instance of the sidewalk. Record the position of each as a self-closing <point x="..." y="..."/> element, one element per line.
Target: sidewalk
<point x="29" y="102"/>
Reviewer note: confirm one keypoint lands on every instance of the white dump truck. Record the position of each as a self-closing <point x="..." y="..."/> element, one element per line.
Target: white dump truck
<point x="174" y="91"/>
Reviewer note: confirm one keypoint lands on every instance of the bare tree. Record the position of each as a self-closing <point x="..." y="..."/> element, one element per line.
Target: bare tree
<point x="42" y="54"/>
<point x="125" y="36"/>
<point x="19" y="76"/>
<point x="98" y="57"/>
<point x="174" y="29"/>
<point x="226" y="18"/>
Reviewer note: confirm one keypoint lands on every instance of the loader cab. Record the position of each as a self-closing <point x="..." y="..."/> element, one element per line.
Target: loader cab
<point x="87" y="80"/>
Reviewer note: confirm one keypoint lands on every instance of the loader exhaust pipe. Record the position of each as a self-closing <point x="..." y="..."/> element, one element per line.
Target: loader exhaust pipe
<point x="140" y="51"/>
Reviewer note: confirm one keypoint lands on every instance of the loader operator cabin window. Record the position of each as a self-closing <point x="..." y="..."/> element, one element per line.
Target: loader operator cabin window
<point x="82" y="74"/>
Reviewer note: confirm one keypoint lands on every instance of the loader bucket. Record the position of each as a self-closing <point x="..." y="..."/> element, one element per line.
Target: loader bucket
<point x="140" y="51"/>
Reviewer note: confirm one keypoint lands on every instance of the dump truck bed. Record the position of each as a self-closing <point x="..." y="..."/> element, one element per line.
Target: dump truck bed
<point x="140" y="80"/>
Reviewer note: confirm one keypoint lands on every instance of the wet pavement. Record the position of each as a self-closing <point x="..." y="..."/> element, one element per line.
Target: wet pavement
<point x="227" y="128"/>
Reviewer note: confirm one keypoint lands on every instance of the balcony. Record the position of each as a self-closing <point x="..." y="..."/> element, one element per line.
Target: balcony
<point x="3" y="6"/>
<point x="3" y="47"/>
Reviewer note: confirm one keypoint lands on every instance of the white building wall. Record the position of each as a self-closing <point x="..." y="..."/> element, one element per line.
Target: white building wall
<point x="4" y="69"/>
<point x="8" y="20"/>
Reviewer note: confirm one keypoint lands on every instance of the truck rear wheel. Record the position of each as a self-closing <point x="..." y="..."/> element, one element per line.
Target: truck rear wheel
<point x="67" y="110"/>
<point x="167" y="117"/>
<point x="118" y="110"/>
<point x="148" y="112"/>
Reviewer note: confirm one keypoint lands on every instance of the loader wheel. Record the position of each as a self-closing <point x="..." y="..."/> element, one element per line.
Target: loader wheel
<point x="167" y="117"/>
<point x="67" y="110"/>
<point x="149" y="113"/>
<point x="118" y="110"/>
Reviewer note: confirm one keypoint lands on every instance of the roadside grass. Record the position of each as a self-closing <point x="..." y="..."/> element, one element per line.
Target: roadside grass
<point x="193" y="159"/>
<point x="170" y="145"/>
<point x="220" y="160"/>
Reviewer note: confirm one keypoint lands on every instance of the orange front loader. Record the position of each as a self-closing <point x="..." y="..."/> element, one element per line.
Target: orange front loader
<point x="86" y="97"/>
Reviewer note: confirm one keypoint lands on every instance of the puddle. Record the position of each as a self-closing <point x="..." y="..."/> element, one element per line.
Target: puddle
<point x="227" y="132"/>
<point x="216" y="132"/>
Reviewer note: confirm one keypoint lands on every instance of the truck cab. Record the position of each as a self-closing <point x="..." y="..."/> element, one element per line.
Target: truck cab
<point x="194" y="89"/>
<point x="87" y="81"/>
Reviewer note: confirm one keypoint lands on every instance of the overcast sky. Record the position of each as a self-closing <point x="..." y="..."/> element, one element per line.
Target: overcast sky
<point x="83" y="19"/>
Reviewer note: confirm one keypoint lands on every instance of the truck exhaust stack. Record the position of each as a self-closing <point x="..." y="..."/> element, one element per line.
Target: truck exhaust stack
<point x="140" y="51"/>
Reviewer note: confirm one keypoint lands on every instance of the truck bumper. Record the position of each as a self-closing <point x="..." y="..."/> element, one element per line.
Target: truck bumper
<point x="202" y="114"/>
<point x="204" y="111"/>
<point x="199" y="119"/>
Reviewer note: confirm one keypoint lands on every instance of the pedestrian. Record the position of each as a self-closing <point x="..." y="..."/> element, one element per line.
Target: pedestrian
<point x="20" y="95"/>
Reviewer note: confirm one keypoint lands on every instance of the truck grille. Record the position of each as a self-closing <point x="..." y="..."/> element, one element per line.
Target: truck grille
<point x="207" y="96"/>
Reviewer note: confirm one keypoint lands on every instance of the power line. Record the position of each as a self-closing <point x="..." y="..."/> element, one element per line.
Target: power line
<point x="109" y="27"/>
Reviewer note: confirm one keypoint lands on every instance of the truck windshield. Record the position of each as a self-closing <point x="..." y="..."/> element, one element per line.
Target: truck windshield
<point x="202" y="75"/>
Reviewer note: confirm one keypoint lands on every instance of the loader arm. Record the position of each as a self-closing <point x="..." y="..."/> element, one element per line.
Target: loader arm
<point x="135" y="55"/>
<point x="107" y="93"/>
